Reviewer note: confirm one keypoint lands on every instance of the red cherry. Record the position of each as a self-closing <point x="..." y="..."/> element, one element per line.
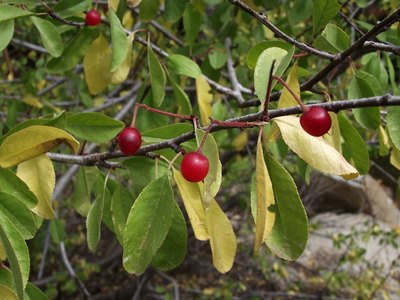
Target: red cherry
<point x="316" y="121"/>
<point x="92" y="17"/>
<point x="194" y="166"/>
<point x="129" y="140"/>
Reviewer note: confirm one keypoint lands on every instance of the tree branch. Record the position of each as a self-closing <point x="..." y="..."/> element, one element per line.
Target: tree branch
<point x="96" y="158"/>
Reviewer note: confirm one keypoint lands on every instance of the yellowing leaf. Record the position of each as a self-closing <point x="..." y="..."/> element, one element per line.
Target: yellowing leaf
<point x="122" y="72"/>
<point x="395" y="158"/>
<point x="133" y="3"/>
<point x="33" y="141"/>
<point x="315" y="151"/>
<point x="204" y="99"/>
<point x="7" y="294"/>
<point x="333" y="137"/>
<point x="222" y="238"/>
<point x="97" y="64"/>
<point x="32" y="101"/>
<point x="39" y="176"/>
<point x="113" y="4"/>
<point x="191" y="196"/>
<point x="265" y="199"/>
<point x="286" y="99"/>
<point x="240" y="141"/>
<point x="127" y="20"/>
<point x="3" y="254"/>
<point x="384" y="142"/>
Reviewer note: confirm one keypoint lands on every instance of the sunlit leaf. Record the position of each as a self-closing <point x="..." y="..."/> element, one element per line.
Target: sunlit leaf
<point x="204" y="99"/>
<point x="119" y="41"/>
<point x="122" y="72"/>
<point x="7" y="32"/>
<point x="333" y="39"/>
<point x="222" y="238"/>
<point x="289" y="235"/>
<point x="333" y="137"/>
<point x="8" y="12"/>
<point x="147" y="225"/>
<point x="31" y="142"/>
<point x="96" y="65"/>
<point x="7" y="294"/>
<point x="314" y="150"/>
<point x="113" y="4"/>
<point x="38" y="174"/>
<point x="191" y="194"/>
<point x="286" y="99"/>
<point x="182" y="65"/>
<point x="265" y="199"/>
<point x="212" y="182"/>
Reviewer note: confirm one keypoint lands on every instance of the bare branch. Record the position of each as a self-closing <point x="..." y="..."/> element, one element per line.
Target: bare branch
<point x="232" y="73"/>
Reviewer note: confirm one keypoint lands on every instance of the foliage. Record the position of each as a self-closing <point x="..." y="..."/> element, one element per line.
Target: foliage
<point x="214" y="64"/>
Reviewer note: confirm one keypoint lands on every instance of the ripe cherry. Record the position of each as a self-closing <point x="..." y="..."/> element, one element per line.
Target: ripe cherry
<point x="129" y="140"/>
<point x="93" y="17"/>
<point x="194" y="166"/>
<point x="316" y="121"/>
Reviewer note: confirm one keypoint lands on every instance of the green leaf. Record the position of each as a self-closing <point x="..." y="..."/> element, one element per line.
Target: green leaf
<point x="212" y="182"/>
<point x="143" y="170"/>
<point x="182" y="65"/>
<point x="174" y="10"/>
<point x="148" y="224"/>
<point x="157" y="77"/>
<point x="263" y="67"/>
<point x="185" y="107"/>
<point x="9" y="12"/>
<point x="34" y="293"/>
<point x="73" y="52"/>
<point x="368" y="117"/>
<point x="7" y="293"/>
<point x="95" y="215"/>
<point x="392" y="75"/>
<point x="148" y="10"/>
<point x="256" y="50"/>
<point x="69" y="8"/>
<point x="121" y="205"/>
<point x="93" y="127"/>
<point x="355" y="144"/>
<point x="11" y="184"/>
<point x="289" y="235"/>
<point x="333" y="39"/>
<point x="393" y="124"/>
<point x="81" y="197"/>
<point x="218" y="57"/>
<point x="57" y="231"/>
<point x="7" y="32"/>
<point x="374" y="67"/>
<point x="323" y="12"/>
<point x="19" y="215"/>
<point x="119" y="41"/>
<point x="191" y="23"/>
<point x="50" y="36"/>
<point x="17" y="252"/>
<point x="173" y="250"/>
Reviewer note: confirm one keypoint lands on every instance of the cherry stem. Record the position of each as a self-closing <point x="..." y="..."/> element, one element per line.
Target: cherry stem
<point x="135" y="110"/>
<point x="203" y="140"/>
<point x="171" y="163"/>
<point x="161" y="112"/>
<point x="268" y="92"/>
<point x="295" y="96"/>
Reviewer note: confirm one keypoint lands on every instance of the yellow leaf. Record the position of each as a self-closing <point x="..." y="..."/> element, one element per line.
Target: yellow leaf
<point x="97" y="64"/>
<point x="222" y="238"/>
<point x="122" y="72"/>
<point x="286" y="99"/>
<point x="333" y="137"/>
<point x="384" y="142"/>
<point x="3" y="254"/>
<point x="39" y="176"/>
<point x="33" y="141"/>
<point x="7" y="294"/>
<point x="265" y="199"/>
<point x="204" y="99"/>
<point x="240" y="141"/>
<point x="133" y="3"/>
<point x="314" y="150"/>
<point x="127" y="20"/>
<point x="113" y="4"/>
<point x="395" y="158"/>
<point x="32" y="101"/>
<point x="191" y="196"/>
